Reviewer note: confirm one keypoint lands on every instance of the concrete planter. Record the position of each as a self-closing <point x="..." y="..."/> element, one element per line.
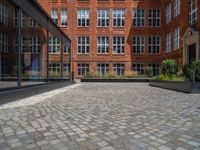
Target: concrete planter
<point x="186" y="87"/>
<point x="114" y="80"/>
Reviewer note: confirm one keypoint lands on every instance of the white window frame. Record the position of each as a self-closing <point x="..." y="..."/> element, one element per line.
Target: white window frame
<point x="139" y="67"/>
<point x="138" y="44"/>
<point x="82" y="69"/>
<point x="54" y="15"/>
<point x="177" y="38"/>
<point x="118" y="18"/>
<point x="177" y="5"/>
<point x="83" y="45"/>
<point x="154" y="44"/>
<point x="155" y="68"/>
<point x="138" y="17"/>
<point x="54" y="45"/>
<point x="34" y="44"/>
<point x="66" y="69"/>
<point x="54" y="68"/>
<point x="168" y="43"/>
<point x="119" y="69"/>
<point x="3" y="14"/>
<point x="102" y="68"/>
<point x="193" y="12"/>
<point x="15" y="42"/>
<point x="154" y="17"/>
<point x="103" y="45"/>
<point x="84" y="17"/>
<point x="103" y="18"/>
<point x="168" y="13"/>
<point x="64" y="17"/>
<point x="120" y="45"/>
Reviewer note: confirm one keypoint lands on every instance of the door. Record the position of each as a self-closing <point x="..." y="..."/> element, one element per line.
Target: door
<point x="191" y="53"/>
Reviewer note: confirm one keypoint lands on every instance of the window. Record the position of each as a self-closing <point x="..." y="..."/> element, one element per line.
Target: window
<point x="177" y="38"/>
<point x="168" y="13"/>
<point x="33" y="23"/>
<point x="118" y="69"/>
<point x="138" y="45"/>
<point x="83" y="45"/>
<point x="193" y="11"/>
<point x="154" y="44"/>
<point x="102" y="68"/>
<point x="103" y="45"/>
<point x="54" y="45"/>
<point x="138" y="17"/>
<point x="155" y="69"/>
<point x="118" y="18"/>
<point x="66" y="49"/>
<point x="177" y="4"/>
<point x="34" y="44"/>
<point x="154" y="17"/>
<point x="66" y="70"/>
<point x="16" y="18"/>
<point x="83" y="69"/>
<point x="63" y="17"/>
<point x="138" y="68"/>
<point x="3" y="14"/>
<point x="16" y="44"/>
<point x="54" y="15"/>
<point x="54" y="69"/>
<point x="168" y="42"/>
<point x="83" y="18"/>
<point x="118" y="45"/>
<point x="3" y="43"/>
<point x="103" y="18"/>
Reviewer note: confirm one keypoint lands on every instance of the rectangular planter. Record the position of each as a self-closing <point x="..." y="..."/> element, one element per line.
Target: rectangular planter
<point x="114" y="80"/>
<point x="186" y="87"/>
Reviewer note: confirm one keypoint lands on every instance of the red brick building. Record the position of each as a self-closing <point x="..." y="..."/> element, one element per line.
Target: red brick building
<point x="125" y="35"/>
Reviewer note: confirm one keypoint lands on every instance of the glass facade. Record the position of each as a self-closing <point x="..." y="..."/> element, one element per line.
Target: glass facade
<point x="30" y="53"/>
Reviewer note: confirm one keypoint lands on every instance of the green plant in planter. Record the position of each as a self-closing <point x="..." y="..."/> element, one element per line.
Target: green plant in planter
<point x="194" y="66"/>
<point x="169" y="67"/>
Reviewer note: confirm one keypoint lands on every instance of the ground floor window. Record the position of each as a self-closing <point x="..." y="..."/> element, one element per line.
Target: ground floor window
<point x="102" y="68"/>
<point x="139" y="68"/>
<point x="54" y="69"/>
<point x="83" y="69"/>
<point x="119" y="69"/>
<point x="155" y="69"/>
<point x="66" y="70"/>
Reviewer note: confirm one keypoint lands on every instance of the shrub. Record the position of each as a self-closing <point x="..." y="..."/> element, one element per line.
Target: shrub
<point x="131" y="74"/>
<point x="169" y="67"/>
<point x="109" y="75"/>
<point x="149" y="72"/>
<point x="92" y="75"/>
<point x="195" y="65"/>
<point x="171" y="77"/>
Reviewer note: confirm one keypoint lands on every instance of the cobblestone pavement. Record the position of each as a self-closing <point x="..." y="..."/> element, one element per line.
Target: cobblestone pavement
<point x="104" y="116"/>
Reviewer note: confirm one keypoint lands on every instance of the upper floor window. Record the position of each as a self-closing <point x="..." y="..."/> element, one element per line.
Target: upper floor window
<point x="119" y="18"/>
<point x="66" y="49"/>
<point x="33" y="23"/>
<point x="168" y="13"/>
<point x="177" y="38"/>
<point x="83" y="18"/>
<point x="54" y="45"/>
<point x="154" y="44"/>
<point x="3" y="43"/>
<point x="192" y="11"/>
<point x="103" y="18"/>
<point x="103" y="45"/>
<point x="3" y="14"/>
<point x="177" y="5"/>
<point x="118" y="45"/>
<point x="16" y="18"/>
<point x="83" y="45"/>
<point x="54" y="15"/>
<point x="138" y="17"/>
<point x="168" y="43"/>
<point x="138" y="44"/>
<point x="63" y="17"/>
<point x="34" y="44"/>
<point x="154" y="17"/>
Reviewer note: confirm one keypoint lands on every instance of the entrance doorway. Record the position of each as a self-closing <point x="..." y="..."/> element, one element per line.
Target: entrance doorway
<point x="191" y="53"/>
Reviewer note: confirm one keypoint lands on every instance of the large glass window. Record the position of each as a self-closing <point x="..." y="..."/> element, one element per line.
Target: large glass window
<point x="138" y="17"/>
<point x="154" y="17"/>
<point x="83" y="18"/>
<point x="119" y="18"/>
<point x="168" y="42"/>
<point x="138" y="68"/>
<point x="119" y="69"/>
<point x="82" y="69"/>
<point x="102" y="68"/>
<point x="155" y="68"/>
<point x="63" y="17"/>
<point x="177" y="38"/>
<point x="193" y="11"/>
<point x="103" y="18"/>
<point x="54" y="15"/>
<point x="138" y="45"/>
<point x="168" y="13"/>
<point x="83" y="45"/>
<point x="154" y="44"/>
<point x="118" y="45"/>
<point x="177" y="5"/>
<point x="103" y="45"/>
<point x="54" y="45"/>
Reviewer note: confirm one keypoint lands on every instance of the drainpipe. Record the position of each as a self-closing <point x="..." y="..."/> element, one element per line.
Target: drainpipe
<point x="72" y="44"/>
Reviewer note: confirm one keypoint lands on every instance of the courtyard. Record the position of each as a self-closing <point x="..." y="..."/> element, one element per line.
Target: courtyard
<point x="102" y="116"/>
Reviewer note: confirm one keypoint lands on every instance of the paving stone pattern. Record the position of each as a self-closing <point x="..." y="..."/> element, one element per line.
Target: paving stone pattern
<point x="104" y="116"/>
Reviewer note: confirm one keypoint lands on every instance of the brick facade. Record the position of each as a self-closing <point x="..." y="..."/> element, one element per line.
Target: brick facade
<point x="128" y="31"/>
